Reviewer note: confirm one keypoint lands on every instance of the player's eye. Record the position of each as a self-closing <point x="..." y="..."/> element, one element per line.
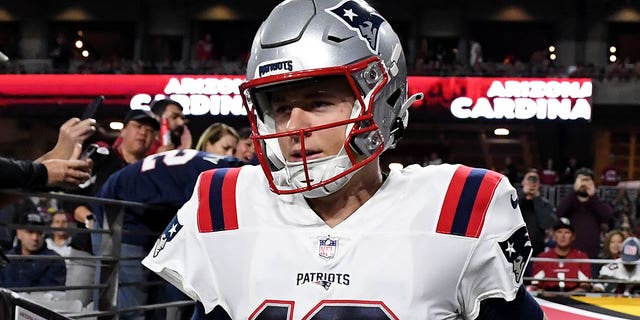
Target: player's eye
<point x="318" y="104"/>
<point x="281" y="111"/>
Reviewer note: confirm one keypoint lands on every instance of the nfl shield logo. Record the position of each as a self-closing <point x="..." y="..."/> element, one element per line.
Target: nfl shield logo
<point x="327" y="247"/>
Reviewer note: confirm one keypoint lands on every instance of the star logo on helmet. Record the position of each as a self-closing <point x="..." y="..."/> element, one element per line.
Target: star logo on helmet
<point x="362" y="19"/>
<point x="349" y="14"/>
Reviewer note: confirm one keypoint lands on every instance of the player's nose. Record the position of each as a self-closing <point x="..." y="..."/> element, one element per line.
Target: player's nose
<point x="298" y="119"/>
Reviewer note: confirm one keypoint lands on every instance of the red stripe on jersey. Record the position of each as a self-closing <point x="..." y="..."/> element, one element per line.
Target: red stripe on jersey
<point x="451" y="198"/>
<point x="483" y="199"/>
<point x="204" y="216"/>
<point x="229" y="199"/>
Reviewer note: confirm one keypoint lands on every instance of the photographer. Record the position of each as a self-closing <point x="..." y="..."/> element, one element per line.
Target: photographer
<point x="537" y="212"/>
<point x="587" y="211"/>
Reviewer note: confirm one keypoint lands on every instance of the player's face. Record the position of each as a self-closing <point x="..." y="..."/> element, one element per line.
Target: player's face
<point x="323" y="102"/>
<point x="226" y="145"/>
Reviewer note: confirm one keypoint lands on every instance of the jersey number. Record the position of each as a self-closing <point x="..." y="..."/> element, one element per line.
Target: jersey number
<point x="325" y="310"/>
<point x="170" y="158"/>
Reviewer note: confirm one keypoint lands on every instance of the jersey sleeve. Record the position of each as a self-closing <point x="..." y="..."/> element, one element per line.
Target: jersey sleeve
<point x="179" y="255"/>
<point x="496" y="264"/>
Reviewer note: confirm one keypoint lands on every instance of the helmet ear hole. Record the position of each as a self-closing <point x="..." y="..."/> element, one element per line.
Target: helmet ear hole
<point x="393" y="98"/>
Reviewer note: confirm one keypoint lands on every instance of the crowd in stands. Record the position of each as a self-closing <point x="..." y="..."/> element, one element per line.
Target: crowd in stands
<point x="441" y="62"/>
<point x="161" y="131"/>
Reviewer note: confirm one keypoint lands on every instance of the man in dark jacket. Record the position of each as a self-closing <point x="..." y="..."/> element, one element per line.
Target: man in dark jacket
<point x="60" y="167"/>
<point x="32" y="273"/>
<point x="53" y="172"/>
<point x="586" y="211"/>
<point x="537" y="212"/>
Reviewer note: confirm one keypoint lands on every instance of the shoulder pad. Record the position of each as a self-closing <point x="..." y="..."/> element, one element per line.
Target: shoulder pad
<point x="217" y="200"/>
<point x="466" y="201"/>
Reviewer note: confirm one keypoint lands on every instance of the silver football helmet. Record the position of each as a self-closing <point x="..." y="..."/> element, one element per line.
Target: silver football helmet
<point x="303" y="41"/>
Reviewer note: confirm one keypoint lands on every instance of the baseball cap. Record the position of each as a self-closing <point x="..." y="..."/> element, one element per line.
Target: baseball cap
<point x="31" y="219"/>
<point x="143" y="116"/>
<point x="630" y="250"/>
<point x="563" y="223"/>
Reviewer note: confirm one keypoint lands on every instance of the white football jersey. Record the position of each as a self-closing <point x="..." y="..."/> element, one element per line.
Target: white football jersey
<point x="431" y="243"/>
<point x="618" y="271"/>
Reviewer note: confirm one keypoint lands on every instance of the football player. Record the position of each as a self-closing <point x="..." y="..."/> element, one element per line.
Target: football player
<point x="321" y="232"/>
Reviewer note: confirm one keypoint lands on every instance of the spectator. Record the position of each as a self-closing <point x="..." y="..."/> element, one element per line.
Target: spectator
<point x="564" y="236"/>
<point x="612" y="245"/>
<point x="204" y="50"/>
<point x="626" y="268"/>
<point x="37" y="174"/>
<point x="178" y="135"/>
<point x="549" y="176"/>
<point x="475" y="54"/>
<point x="79" y="272"/>
<point x="538" y="213"/>
<point x="139" y="132"/>
<point x="587" y="212"/>
<point x="219" y="139"/>
<point x="510" y="170"/>
<point x="623" y="210"/>
<point x="60" y="54"/>
<point x="32" y="273"/>
<point x="245" y="150"/>
<point x="168" y="185"/>
<point x="10" y="214"/>
<point x="434" y="159"/>
<point x="59" y="167"/>
<point x="569" y="171"/>
<point x="611" y="173"/>
<point x="60" y="240"/>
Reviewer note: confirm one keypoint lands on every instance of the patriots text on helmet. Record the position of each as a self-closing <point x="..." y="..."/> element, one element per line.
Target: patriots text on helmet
<point x="563" y="100"/>
<point x="198" y="96"/>
<point x="275" y="67"/>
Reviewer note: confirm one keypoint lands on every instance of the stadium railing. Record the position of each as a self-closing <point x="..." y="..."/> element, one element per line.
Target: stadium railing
<point x="104" y="290"/>
<point x="105" y="307"/>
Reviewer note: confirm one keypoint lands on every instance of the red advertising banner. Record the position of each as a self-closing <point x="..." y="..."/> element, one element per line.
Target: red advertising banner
<point x="459" y="97"/>
<point x="199" y="95"/>
<point x="505" y="98"/>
